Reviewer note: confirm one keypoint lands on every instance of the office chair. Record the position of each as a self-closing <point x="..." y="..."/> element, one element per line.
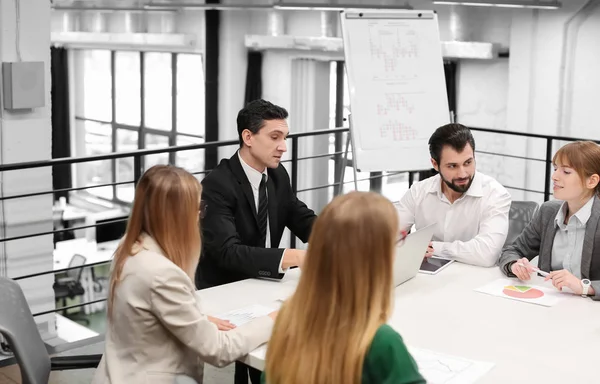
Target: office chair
<point x="71" y="287"/>
<point x="23" y="338"/>
<point x="100" y="282"/>
<point x="519" y="216"/>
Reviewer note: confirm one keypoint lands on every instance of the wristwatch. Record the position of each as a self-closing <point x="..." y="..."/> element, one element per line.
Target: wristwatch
<point x="585" y="283"/>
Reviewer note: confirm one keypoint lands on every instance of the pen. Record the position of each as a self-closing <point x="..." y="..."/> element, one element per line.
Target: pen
<point x="536" y="269"/>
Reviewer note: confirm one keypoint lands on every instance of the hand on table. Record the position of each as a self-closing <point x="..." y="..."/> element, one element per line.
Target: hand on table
<point x="223" y="325"/>
<point x="564" y="278"/>
<point x="429" y="251"/>
<point x="293" y="258"/>
<point x="273" y="315"/>
<point x="523" y="272"/>
<point x="301" y="255"/>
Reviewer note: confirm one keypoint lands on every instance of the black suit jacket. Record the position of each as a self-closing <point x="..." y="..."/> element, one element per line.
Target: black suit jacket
<point x="230" y="228"/>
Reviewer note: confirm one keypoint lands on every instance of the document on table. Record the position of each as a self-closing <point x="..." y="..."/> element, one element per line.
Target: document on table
<point x="514" y="289"/>
<point x="244" y="315"/>
<point x="435" y="367"/>
<point x="438" y="368"/>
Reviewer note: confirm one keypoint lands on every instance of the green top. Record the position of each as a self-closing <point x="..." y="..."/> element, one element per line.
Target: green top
<point x="387" y="361"/>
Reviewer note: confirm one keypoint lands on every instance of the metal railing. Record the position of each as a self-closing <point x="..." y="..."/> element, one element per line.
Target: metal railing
<point x="549" y="139"/>
<point x="137" y="173"/>
<point x="137" y="156"/>
<point x="337" y="155"/>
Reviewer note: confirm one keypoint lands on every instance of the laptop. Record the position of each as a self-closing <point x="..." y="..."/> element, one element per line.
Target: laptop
<point x="410" y="254"/>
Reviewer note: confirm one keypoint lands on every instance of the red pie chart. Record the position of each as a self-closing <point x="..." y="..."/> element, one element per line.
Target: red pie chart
<point x="522" y="292"/>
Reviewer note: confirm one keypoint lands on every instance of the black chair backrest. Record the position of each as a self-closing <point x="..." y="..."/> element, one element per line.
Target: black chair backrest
<point x="521" y="213"/>
<point x="21" y="333"/>
<point x="76" y="261"/>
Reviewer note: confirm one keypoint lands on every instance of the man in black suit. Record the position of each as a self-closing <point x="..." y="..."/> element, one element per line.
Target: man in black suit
<point x="248" y="203"/>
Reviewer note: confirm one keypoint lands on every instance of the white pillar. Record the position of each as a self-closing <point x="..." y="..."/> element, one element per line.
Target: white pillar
<point x="26" y="136"/>
<point x="309" y="111"/>
<point x="233" y="62"/>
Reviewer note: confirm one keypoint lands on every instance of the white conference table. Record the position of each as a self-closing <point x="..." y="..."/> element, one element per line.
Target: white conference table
<point x="442" y="313"/>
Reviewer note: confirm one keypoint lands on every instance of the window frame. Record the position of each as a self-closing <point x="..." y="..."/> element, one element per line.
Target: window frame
<point x="142" y="129"/>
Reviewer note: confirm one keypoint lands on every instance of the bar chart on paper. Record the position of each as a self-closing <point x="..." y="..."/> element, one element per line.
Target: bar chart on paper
<point x="394" y="51"/>
<point x="397" y="120"/>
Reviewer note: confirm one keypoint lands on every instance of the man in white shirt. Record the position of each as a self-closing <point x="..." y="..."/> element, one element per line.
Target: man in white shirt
<point x="468" y="208"/>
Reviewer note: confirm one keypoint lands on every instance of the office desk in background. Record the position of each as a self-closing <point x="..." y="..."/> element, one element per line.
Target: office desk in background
<point x="94" y="253"/>
<point x="442" y="313"/>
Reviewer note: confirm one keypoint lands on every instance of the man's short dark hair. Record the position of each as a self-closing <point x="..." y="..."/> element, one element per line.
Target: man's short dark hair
<point x="252" y="117"/>
<point x="455" y="135"/>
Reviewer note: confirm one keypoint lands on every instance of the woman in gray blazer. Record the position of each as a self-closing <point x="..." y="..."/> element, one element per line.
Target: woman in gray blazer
<point x="156" y="327"/>
<point x="565" y="233"/>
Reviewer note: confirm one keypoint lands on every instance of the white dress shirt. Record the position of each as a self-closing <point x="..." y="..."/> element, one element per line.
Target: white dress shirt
<point x="255" y="177"/>
<point x="568" y="241"/>
<point x="471" y="230"/>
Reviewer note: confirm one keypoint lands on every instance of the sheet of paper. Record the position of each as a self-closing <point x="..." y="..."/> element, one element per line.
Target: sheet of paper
<point x="243" y="315"/>
<point x="438" y="368"/>
<point x="526" y="292"/>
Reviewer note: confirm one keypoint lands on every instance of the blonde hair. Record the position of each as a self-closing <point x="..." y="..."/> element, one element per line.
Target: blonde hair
<point x="165" y="207"/>
<point x="583" y="157"/>
<point x="324" y="330"/>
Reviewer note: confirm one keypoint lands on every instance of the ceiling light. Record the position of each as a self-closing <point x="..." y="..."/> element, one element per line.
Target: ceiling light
<point x="157" y="4"/>
<point x="333" y="7"/>
<point x="550" y="4"/>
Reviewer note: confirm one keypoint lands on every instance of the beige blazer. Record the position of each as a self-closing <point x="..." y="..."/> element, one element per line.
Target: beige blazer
<point x="158" y="329"/>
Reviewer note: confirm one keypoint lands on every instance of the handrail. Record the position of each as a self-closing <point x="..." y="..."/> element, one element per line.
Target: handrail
<point x="294" y="160"/>
<point x="532" y="135"/>
<point x="212" y="144"/>
<point x="145" y="152"/>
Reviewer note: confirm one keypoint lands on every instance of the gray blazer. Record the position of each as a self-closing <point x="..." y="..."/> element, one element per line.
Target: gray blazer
<point x="538" y="239"/>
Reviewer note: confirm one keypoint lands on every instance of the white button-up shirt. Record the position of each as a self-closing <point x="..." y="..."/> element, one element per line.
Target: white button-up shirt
<point x="471" y="230"/>
<point x="568" y="241"/>
<point x="255" y="177"/>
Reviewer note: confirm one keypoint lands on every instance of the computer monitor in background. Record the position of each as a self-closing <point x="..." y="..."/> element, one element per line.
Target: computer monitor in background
<point x="111" y="231"/>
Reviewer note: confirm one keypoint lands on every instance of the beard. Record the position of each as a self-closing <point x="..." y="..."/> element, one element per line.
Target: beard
<point x="458" y="188"/>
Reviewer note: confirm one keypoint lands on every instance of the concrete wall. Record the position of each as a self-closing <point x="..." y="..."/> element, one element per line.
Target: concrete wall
<point x="25" y="135"/>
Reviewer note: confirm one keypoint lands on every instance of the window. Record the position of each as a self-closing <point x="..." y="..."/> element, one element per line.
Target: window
<point x="190" y="97"/>
<point x="98" y="139"/>
<point x="129" y="100"/>
<point x="128" y="103"/>
<point x="97" y="90"/>
<point x="158" y="95"/>
<point x="127" y="141"/>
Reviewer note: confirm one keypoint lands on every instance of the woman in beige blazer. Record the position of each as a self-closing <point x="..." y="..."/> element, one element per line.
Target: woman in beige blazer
<point x="156" y="327"/>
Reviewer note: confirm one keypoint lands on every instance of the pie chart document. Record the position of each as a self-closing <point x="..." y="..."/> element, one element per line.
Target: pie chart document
<point x="517" y="290"/>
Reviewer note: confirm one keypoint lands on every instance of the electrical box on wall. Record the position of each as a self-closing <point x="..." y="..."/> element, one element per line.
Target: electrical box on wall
<point x="23" y="84"/>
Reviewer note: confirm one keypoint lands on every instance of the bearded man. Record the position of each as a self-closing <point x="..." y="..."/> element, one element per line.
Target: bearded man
<point x="469" y="209"/>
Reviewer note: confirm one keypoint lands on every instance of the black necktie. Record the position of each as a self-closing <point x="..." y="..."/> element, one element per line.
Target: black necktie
<point x="262" y="210"/>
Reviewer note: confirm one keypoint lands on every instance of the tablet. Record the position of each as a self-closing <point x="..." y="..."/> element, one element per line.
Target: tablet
<point x="432" y="265"/>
